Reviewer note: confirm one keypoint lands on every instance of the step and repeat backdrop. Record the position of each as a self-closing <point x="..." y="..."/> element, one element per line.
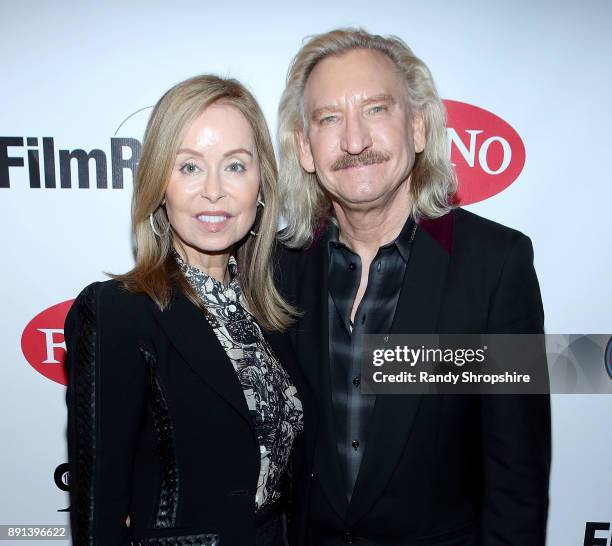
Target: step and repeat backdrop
<point x="527" y="89"/>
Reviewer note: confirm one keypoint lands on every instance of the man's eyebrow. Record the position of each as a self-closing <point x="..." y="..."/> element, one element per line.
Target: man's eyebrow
<point x="323" y="110"/>
<point x="382" y="97"/>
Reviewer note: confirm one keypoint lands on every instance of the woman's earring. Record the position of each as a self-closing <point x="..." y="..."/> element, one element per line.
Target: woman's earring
<point x="263" y="205"/>
<point x="153" y="226"/>
<point x="152" y="222"/>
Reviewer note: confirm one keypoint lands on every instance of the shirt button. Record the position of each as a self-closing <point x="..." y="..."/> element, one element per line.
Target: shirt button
<point x="352" y="266"/>
<point x="355" y="444"/>
<point x="357" y="381"/>
<point x="378" y="266"/>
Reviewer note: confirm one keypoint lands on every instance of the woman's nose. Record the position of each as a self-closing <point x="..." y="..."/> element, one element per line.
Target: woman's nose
<point x="212" y="188"/>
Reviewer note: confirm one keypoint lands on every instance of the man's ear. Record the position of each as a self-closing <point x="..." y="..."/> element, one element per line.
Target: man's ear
<point x="418" y="132"/>
<point x="306" y="159"/>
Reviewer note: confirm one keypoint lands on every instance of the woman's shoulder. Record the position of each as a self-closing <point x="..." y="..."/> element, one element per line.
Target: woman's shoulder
<point x="112" y="293"/>
<point x="111" y="303"/>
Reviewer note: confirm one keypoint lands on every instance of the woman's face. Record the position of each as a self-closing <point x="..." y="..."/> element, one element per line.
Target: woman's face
<point x="211" y="198"/>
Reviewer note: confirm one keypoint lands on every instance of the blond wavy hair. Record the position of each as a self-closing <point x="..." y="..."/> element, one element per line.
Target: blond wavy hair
<point x="156" y="272"/>
<point x="433" y="183"/>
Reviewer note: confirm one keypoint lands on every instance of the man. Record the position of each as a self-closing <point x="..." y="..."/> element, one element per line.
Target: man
<point x="378" y="247"/>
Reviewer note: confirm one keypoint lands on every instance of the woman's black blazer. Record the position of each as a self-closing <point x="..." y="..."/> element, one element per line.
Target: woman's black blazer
<point x="158" y="425"/>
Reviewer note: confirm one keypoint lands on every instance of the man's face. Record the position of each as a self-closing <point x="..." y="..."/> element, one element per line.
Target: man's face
<point x="361" y="138"/>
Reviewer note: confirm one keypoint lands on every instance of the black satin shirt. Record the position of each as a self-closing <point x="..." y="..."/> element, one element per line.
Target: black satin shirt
<point x="351" y="409"/>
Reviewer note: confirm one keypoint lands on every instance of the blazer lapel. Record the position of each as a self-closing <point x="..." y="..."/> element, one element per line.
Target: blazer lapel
<point x="193" y="337"/>
<point x="393" y="415"/>
<point x="312" y="344"/>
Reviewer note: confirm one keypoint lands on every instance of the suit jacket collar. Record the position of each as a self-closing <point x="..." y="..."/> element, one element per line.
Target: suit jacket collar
<point x="192" y="336"/>
<point x="194" y="339"/>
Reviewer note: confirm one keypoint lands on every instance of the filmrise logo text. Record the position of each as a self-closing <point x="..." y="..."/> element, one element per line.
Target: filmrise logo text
<point x="42" y="157"/>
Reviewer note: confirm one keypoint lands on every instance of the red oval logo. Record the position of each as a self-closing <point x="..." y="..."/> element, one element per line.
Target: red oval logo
<point x="43" y="345"/>
<point x="488" y="154"/>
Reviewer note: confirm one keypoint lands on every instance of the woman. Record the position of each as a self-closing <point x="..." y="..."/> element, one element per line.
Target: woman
<point x="181" y="418"/>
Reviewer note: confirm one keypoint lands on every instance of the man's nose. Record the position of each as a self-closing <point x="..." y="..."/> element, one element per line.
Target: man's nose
<point x="356" y="135"/>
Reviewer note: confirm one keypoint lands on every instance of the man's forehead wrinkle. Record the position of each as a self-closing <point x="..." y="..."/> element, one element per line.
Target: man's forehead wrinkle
<point x="332" y="86"/>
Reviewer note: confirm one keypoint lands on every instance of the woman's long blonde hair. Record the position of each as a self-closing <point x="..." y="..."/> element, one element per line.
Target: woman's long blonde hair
<point x="156" y="271"/>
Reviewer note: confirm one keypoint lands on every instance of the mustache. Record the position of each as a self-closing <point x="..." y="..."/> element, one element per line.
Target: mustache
<point x="367" y="157"/>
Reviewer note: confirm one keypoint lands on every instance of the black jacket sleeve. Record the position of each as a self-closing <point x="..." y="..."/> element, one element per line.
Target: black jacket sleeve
<point x="105" y="399"/>
<point x="516" y="435"/>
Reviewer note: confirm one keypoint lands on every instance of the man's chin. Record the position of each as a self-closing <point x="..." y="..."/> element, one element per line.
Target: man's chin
<point x="361" y="202"/>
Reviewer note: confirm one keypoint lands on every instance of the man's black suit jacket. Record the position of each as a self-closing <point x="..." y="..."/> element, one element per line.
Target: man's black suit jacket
<point x="438" y="470"/>
<point x="158" y="424"/>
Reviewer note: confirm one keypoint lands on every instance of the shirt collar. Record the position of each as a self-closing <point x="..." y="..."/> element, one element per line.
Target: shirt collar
<point x="402" y="242"/>
<point x="204" y="284"/>
<point x="404" y="239"/>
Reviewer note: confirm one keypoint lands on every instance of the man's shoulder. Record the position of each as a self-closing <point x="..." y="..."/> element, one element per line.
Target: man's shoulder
<point x="284" y="253"/>
<point x="286" y="262"/>
<point x="480" y="244"/>
<point x="293" y="267"/>
<point x="482" y="232"/>
<point x="286" y="257"/>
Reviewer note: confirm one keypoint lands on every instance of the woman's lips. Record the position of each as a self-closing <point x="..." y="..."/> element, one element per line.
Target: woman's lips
<point x="213" y="221"/>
